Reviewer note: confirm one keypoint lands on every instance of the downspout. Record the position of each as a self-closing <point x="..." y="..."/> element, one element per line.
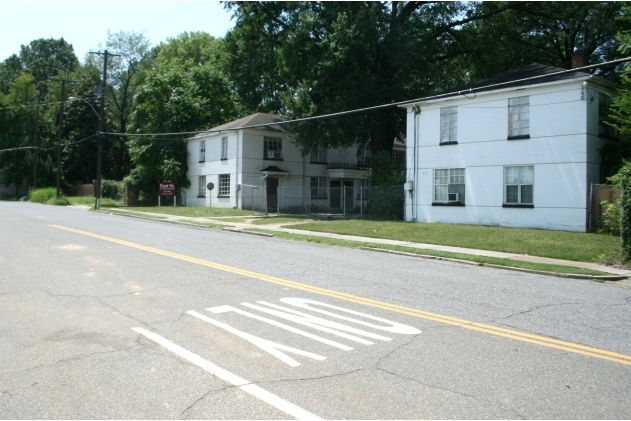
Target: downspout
<point x="237" y="170"/>
<point x="417" y="111"/>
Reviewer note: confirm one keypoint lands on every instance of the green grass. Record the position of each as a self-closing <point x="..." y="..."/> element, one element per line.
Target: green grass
<point x="88" y="200"/>
<point x="203" y="224"/>
<point x="192" y="211"/>
<point x="58" y="201"/>
<point x="42" y="195"/>
<point x="472" y="258"/>
<point x="277" y="220"/>
<point x="580" y="247"/>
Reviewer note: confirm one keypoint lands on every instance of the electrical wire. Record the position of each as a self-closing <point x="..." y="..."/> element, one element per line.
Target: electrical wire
<point x="376" y="107"/>
<point x="63" y="145"/>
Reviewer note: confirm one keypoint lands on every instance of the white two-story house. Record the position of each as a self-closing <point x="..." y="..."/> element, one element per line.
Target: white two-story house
<point x="516" y="150"/>
<point x="253" y="164"/>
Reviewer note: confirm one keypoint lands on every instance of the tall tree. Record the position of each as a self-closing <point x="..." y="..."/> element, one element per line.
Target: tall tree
<point x="186" y="91"/>
<point x="46" y="58"/>
<point x="541" y="32"/>
<point x="306" y="58"/>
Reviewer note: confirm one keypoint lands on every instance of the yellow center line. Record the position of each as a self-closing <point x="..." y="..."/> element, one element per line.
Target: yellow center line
<point x="453" y="321"/>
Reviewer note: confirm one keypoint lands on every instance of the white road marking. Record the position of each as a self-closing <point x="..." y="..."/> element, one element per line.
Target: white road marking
<point x="317" y="322"/>
<point x="393" y="327"/>
<point x="243" y="384"/>
<point x="226" y="308"/>
<point x="267" y="346"/>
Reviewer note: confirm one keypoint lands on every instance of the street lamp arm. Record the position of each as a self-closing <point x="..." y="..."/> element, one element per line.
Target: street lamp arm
<point x="75" y="99"/>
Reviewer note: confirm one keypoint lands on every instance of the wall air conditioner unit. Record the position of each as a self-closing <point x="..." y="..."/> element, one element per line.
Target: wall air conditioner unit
<point x="453" y="197"/>
<point x="274" y="155"/>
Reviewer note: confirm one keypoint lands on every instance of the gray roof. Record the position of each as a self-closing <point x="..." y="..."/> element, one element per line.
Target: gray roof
<point x="514" y="78"/>
<point x="255" y="119"/>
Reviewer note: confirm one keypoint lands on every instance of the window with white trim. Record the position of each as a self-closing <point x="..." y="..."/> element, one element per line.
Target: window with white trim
<point x="519" y="116"/>
<point x="272" y="147"/>
<point x="202" y="151"/>
<point x="449" y="124"/>
<point x="224" y="148"/>
<point x="518" y="185"/>
<point x="364" y="157"/>
<point x="318" y="156"/>
<point x="449" y="185"/>
<point x="201" y="186"/>
<point x="318" y="187"/>
<point x="224" y="185"/>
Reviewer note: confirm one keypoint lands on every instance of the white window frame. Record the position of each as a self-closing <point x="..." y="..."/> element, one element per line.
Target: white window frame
<point x="224" y="185"/>
<point x="201" y="186"/>
<point x="224" y="147"/>
<point x="318" y="156"/>
<point x="519" y="117"/>
<point x="318" y="187"/>
<point x="525" y="177"/>
<point x="443" y="177"/>
<point x="364" y="157"/>
<point x="202" y="151"/>
<point x="274" y="144"/>
<point x="449" y="125"/>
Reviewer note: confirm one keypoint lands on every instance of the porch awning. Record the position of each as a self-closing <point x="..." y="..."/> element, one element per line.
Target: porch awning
<point x="274" y="170"/>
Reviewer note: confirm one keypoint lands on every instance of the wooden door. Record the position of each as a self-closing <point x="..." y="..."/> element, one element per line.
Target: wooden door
<point x="272" y="195"/>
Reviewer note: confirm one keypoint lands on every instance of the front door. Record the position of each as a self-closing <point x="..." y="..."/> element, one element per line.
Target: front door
<point x="336" y="194"/>
<point x="272" y="195"/>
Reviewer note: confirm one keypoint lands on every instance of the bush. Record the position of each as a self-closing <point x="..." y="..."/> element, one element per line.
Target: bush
<point x="42" y="195"/>
<point x="112" y="189"/>
<point x="611" y="217"/>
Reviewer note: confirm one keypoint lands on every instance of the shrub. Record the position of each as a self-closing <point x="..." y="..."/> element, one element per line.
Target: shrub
<point x="62" y="201"/>
<point x="611" y="217"/>
<point x="42" y="195"/>
<point x="112" y="189"/>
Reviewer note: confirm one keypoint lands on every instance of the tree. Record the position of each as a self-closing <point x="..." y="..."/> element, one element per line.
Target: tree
<point x="125" y="75"/>
<point x="46" y="58"/>
<point x="306" y="58"/>
<point x="190" y="96"/>
<point x="539" y="32"/>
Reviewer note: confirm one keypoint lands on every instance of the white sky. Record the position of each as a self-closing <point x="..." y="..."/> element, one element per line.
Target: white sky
<point x="84" y="24"/>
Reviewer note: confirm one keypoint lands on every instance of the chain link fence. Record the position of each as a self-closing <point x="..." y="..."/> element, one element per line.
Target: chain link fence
<point x="376" y="202"/>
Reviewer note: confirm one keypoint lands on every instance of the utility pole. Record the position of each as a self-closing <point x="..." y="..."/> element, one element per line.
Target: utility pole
<point x="97" y="188"/>
<point x="61" y="130"/>
<point x="36" y="141"/>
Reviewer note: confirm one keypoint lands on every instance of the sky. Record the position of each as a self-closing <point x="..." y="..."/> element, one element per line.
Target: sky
<point x="84" y="24"/>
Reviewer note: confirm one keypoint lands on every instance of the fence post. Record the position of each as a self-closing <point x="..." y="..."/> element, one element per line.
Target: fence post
<point x="343" y="200"/>
<point x="361" y="200"/>
<point x="278" y="195"/>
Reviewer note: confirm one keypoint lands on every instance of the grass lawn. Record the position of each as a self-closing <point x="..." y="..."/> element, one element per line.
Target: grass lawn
<point x="277" y="220"/>
<point x="88" y="200"/>
<point x="580" y="247"/>
<point x="468" y="257"/>
<point x="192" y="211"/>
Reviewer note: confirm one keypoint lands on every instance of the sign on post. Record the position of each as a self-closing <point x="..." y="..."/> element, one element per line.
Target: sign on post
<point x="166" y="188"/>
<point x="210" y="186"/>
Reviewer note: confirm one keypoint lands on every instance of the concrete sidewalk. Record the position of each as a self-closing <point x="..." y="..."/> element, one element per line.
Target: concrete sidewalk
<point x="385" y="241"/>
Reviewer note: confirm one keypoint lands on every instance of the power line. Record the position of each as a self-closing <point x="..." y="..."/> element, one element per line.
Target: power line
<point x="47" y="149"/>
<point x="378" y="107"/>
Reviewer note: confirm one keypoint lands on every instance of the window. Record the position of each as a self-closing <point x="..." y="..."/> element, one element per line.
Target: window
<point x="272" y="148"/>
<point x="519" y="117"/>
<point x="224" y="185"/>
<point x="318" y="156"/>
<point x="449" y="185"/>
<point x="398" y="156"/>
<point x="202" y="151"/>
<point x="449" y="125"/>
<point x="318" y="188"/>
<point x="224" y="148"/>
<point x="364" y="159"/>
<point x="201" y="192"/>
<point x="519" y="183"/>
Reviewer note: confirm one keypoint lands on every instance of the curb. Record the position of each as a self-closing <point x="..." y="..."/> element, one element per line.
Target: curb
<point x="239" y="230"/>
<point x="599" y="278"/>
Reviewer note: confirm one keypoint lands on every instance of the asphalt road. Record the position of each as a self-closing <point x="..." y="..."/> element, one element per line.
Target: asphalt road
<point x="105" y="316"/>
